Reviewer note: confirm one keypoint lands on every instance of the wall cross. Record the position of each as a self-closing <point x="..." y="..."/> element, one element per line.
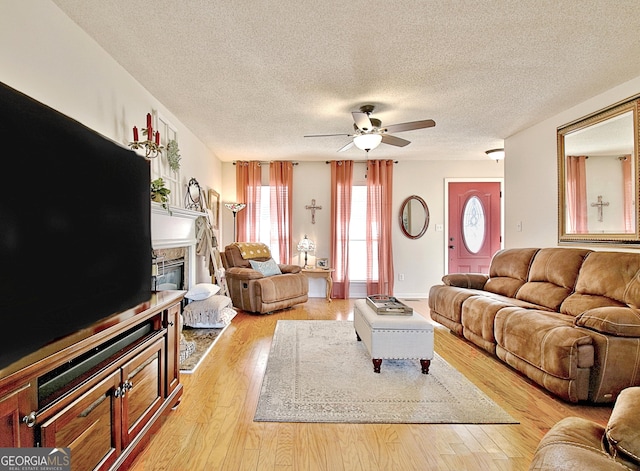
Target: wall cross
<point x="599" y="205"/>
<point x="313" y="208"/>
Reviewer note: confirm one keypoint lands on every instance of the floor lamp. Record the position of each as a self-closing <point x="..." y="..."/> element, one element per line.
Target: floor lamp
<point x="235" y="208"/>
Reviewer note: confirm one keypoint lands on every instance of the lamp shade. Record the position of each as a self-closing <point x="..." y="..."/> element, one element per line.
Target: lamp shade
<point x="235" y="207"/>
<point x="367" y="141"/>
<point x="306" y="245"/>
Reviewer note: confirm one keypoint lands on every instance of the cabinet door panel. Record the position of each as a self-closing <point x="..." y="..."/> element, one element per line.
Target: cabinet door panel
<point x="173" y="325"/>
<point x="14" y="406"/>
<point x="143" y="380"/>
<point x="89" y="426"/>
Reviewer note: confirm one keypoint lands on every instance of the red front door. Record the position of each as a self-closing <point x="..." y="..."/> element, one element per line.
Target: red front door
<point x="474" y="226"/>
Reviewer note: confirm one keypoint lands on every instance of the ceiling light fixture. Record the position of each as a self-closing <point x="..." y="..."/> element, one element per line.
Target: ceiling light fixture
<point x="497" y="154"/>
<point x="367" y="142"/>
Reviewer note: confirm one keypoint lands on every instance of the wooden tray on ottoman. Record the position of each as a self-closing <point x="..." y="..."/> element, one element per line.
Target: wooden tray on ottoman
<point x="388" y="305"/>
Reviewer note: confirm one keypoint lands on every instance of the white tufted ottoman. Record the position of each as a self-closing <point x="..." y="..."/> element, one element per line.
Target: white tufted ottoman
<point x="393" y="337"/>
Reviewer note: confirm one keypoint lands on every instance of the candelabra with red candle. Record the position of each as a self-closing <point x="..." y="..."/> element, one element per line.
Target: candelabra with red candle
<point x="151" y="145"/>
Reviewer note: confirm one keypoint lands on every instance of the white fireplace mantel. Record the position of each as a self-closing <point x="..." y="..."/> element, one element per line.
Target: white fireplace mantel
<point x="175" y="229"/>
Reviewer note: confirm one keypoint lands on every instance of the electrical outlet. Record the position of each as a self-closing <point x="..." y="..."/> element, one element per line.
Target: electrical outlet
<point x="439" y="228"/>
<point x="519" y="226"/>
<point x="400" y="276"/>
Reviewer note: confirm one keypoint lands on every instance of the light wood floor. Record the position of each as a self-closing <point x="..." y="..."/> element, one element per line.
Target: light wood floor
<point x="213" y="428"/>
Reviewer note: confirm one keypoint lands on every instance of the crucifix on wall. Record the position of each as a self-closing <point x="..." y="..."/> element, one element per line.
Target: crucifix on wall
<point x="600" y="204"/>
<point x="313" y="208"/>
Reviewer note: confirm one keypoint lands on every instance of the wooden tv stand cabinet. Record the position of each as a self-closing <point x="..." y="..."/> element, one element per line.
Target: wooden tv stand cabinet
<point x="100" y="391"/>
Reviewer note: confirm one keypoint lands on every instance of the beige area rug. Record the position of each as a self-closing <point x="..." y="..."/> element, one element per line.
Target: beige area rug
<point x="203" y="340"/>
<point x="318" y="372"/>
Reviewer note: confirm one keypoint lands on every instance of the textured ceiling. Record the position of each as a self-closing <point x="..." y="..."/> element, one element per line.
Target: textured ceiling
<point x="251" y="77"/>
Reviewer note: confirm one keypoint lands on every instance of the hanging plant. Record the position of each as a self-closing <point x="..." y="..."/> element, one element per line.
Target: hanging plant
<point x="173" y="155"/>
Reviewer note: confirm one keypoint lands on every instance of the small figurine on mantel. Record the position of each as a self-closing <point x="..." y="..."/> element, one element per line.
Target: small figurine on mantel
<point x="313" y="208"/>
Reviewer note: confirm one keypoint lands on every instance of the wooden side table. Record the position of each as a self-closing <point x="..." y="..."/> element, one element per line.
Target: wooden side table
<point x="322" y="273"/>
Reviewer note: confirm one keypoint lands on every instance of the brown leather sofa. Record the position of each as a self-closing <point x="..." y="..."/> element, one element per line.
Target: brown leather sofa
<point x="567" y="318"/>
<point x="576" y="444"/>
<point x="252" y="291"/>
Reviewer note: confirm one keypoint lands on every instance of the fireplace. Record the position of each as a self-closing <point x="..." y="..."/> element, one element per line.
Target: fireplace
<point x="173" y="238"/>
<point x="169" y="270"/>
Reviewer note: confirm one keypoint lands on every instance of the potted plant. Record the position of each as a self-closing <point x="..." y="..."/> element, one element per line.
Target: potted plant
<point x="159" y="193"/>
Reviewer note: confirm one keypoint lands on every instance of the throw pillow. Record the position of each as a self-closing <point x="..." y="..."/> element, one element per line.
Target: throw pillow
<point x="202" y="291"/>
<point x="268" y="268"/>
<point x="215" y="311"/>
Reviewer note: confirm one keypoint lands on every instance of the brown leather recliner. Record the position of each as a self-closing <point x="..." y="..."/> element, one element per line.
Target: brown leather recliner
<point x="575" y="443"/>
<point x="251" y="290"/>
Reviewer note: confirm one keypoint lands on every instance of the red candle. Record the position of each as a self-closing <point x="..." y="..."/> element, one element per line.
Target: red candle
<point x="149" y="133"/>
<point x="135" y="133"/>
<point x="157" y="138"/>
<point x="148" y="120"/>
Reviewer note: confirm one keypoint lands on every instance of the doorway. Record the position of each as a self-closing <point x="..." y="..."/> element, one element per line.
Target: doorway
<point x="474" y="229"/>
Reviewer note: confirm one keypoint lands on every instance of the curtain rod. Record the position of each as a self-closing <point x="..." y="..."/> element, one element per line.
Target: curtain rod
<point x="357" y="161"/>
<point x="265" y="162"/>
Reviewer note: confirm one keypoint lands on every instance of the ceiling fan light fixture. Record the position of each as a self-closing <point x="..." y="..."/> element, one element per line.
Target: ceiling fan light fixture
<point x="367" y="142"/>
<point x="496" y="154"/>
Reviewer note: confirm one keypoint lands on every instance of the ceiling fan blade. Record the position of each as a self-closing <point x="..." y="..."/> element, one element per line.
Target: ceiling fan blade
<point x="348" y="145"/>
<point x="394" y="141"/>
<point x="410" y="126"/>
<point x="362" y="120"/>
<point x="327" y="135"/>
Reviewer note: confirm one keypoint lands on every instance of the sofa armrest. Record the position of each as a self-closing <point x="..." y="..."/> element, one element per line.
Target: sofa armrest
<point x="465" y="280"/>
<point x="290" y="268"/>
<point x="242" y="273"/>
<point x="623" y="428"/>
<point x="611" y="320"/>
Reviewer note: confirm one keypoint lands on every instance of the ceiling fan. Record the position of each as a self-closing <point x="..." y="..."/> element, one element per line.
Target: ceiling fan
<point x="369" y="132"/>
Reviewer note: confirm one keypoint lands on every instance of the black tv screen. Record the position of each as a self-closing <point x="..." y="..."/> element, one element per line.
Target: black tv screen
<point x="75" y="230"/>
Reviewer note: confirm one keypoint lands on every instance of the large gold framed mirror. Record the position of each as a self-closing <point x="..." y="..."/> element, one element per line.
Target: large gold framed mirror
<point x="598" y="177"/>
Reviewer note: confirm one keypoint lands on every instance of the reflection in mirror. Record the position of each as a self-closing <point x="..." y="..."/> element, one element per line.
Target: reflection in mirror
<point x="414" y="217"/>
<point x="598" y="174"/>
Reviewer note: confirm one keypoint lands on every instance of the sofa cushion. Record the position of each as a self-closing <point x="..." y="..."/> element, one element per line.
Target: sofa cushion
<point x="546" y="340"/>
<point x="447" y="300"/>
<point x="509" y="271"/>
<point x="623" y="429"/>
<point x="618" y="321"/>
<point x="605" y="279"/>
<point x="552" y="276"/>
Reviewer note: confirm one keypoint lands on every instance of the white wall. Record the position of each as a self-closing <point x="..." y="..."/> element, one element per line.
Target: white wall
<point x="48" y="57"/>
<point x="531" y="172"/>
<point x="421" y="261"/>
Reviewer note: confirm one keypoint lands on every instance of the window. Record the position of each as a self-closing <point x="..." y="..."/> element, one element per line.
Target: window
<point x="358" y="236"/>
<point x="265" y="221"/>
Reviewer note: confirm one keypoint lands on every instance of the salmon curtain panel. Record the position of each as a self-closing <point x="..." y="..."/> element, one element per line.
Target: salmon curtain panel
<point x="248" y="183"/>
<point x="379" y="224"/>
<point x="627" y="188"/>
<point x="281" y="193"/>
<point x="576" y="195"/>
<point x="341" y="184"/>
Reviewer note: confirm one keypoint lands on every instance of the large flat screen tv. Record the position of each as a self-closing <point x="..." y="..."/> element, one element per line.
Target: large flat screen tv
<point x="75" y="231"/>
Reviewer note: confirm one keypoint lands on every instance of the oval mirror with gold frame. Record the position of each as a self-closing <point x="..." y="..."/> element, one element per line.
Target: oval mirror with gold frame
<point x="598" y="177"/>
<point x="414" y="217"/>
